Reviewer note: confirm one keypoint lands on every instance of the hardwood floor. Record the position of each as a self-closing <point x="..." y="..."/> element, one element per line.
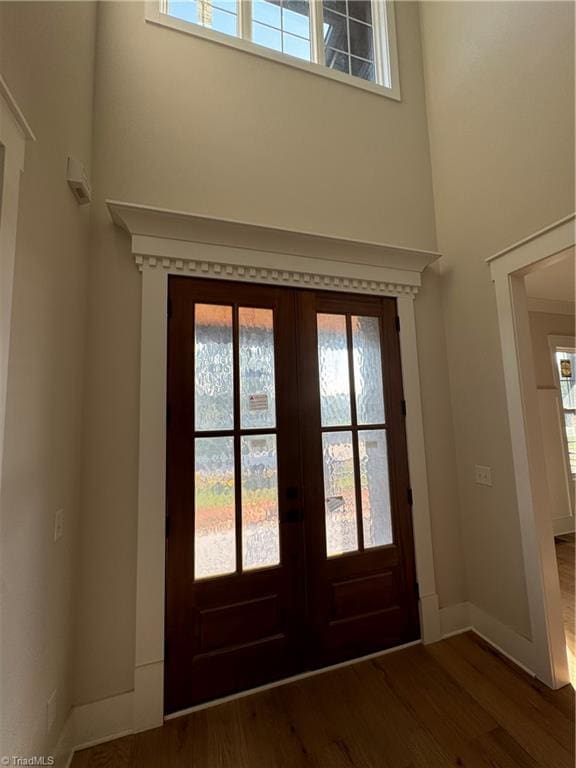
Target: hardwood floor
<point x="454" y="703"/>
<point x="565" y="553"/>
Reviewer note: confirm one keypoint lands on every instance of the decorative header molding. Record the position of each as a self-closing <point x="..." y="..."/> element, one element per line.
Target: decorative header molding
<point x="543" y="244"/>
<point x="284" y="277"/>
<point x="232" y="250"/>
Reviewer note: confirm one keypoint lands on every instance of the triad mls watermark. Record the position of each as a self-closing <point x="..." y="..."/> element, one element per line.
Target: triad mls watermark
<point x="31" y="760"/>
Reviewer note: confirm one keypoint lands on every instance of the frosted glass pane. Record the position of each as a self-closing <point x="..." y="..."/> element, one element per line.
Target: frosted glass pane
<point x="214" y="398"/>
<point x="333" y="369"/>
<point x="257" y="393"/>
<point x="214" y="524"/>
<point x="368" y="370"/>
<point x="339" y="493"/>
<point x="374" y="484"/>
<point x="260" y="532"/>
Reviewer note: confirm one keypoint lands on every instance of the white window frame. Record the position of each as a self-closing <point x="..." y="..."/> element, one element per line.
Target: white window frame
<point x="385" y="50"/>
<point x="557" y="344"/>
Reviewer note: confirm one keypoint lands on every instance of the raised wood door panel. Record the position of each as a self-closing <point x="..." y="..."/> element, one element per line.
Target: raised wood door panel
<point x="229" y="631"/>
<point x="364" y="597"/>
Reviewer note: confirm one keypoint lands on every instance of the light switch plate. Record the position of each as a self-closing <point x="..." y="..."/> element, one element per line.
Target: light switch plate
<point x="58" y="524"/>
<point x="482" y="475"/>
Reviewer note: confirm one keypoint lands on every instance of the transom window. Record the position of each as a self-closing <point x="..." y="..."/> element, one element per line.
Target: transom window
<point x="348" y="37"/>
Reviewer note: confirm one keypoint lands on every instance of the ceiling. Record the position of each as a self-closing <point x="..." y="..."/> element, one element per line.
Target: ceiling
<point x="553" y="281"/>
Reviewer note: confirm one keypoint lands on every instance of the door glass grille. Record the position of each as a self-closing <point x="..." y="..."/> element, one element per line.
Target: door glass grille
<point x="354" y="436"/>
<point x="236" y="510"/>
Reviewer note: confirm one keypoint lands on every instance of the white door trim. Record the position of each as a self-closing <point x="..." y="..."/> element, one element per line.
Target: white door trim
<point x="172" y="243"/>
<point x="14" y="133"/>
<point x="507" y="269"/>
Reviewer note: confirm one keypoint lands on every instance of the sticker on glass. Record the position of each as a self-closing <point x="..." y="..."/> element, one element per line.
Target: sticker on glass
<point x="335" y="503"/>
<point x="258" y="402"/>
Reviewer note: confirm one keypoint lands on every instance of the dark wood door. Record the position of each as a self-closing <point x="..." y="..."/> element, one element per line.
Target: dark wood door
<point x="290" y="540"/>
<point x="361" y="579"/>
<point x="235" y="583"/>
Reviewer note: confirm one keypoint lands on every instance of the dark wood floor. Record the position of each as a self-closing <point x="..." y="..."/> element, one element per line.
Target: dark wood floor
<point x="565" y="553"/>
<point x="454" y="703"/>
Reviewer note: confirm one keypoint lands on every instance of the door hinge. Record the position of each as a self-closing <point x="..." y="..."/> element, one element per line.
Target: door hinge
<point x="167" y="526"/>
<point x="398" y="323"/>
<point x="166" y="650"/>
<point x="410" y="497"/>
<point x="417" y="590"/>
<point x="403" y="406"/>
<point x="169" y="311"/>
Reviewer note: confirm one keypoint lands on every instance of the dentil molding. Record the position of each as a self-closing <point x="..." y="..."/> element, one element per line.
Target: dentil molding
<point x="232" y="250"/>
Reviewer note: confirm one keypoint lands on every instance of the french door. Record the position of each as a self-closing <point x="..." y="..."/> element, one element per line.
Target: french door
<point x="289" y="534"/>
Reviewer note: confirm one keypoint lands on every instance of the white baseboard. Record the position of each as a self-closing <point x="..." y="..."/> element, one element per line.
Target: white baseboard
<point x="64" y="750"/>
<point x="462" y="617"/>
<point x="517" y="648"/>
<point x="455" y="619"/>
<point x="90" y="724"/>
<point x="563" y="525"/>
<point x="103" y="720"/>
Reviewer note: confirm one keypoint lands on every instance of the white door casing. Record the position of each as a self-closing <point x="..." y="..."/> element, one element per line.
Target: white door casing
<point x="14" y="133"/>
<point x="507" y="269"/>
<point x="171" y="243"/>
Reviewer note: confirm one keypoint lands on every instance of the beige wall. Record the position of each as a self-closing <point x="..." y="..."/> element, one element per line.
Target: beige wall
<point x="46" y="58"/>
<point x="186" y="124"/>
<point x="500" y="92"/>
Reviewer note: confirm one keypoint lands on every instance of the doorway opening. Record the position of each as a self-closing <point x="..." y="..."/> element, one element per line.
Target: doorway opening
<point x="531" y="418"/>
<point x="550" y="300"/>
<point x="290" y="543"/>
